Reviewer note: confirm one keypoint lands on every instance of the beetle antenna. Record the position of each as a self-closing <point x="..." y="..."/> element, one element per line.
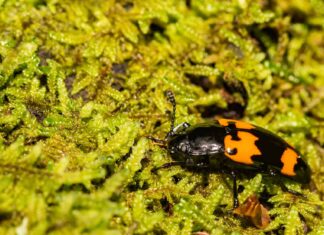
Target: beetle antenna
<point x="171" y="99"/>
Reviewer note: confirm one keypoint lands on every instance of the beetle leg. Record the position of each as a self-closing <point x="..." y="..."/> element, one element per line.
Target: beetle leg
<point x="283" y="187"/>
<point x="167" y="165"/>
<point x="235" y="194"/>
<point x="205" y="178"/>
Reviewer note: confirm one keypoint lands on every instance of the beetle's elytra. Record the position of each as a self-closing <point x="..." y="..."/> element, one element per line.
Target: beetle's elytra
<point x="232" y="146"/>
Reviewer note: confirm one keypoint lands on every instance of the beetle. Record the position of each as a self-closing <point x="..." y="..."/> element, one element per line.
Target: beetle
<point x="232" y="147"/>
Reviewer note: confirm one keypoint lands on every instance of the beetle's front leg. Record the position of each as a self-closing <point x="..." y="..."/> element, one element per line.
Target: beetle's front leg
<point x="167" y="165"/>
<point x="156" y="140"/>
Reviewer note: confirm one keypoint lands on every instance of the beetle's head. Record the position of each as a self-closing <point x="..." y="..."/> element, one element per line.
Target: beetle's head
<point x="178" y="146"/>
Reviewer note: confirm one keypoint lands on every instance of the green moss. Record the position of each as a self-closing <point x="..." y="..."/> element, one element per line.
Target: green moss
<point x="82" y="84"/>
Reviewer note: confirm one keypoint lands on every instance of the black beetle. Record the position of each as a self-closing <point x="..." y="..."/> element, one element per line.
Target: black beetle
<point x="232" y="146"/>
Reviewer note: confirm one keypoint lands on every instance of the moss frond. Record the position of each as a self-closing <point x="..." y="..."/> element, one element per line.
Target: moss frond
<point x="82" y="85"/>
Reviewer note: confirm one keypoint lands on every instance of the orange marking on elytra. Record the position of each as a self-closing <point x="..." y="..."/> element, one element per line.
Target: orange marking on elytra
<point x="238" y="124"/>
<point x="245" y="147"/>
<point x="289" y="160"/>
